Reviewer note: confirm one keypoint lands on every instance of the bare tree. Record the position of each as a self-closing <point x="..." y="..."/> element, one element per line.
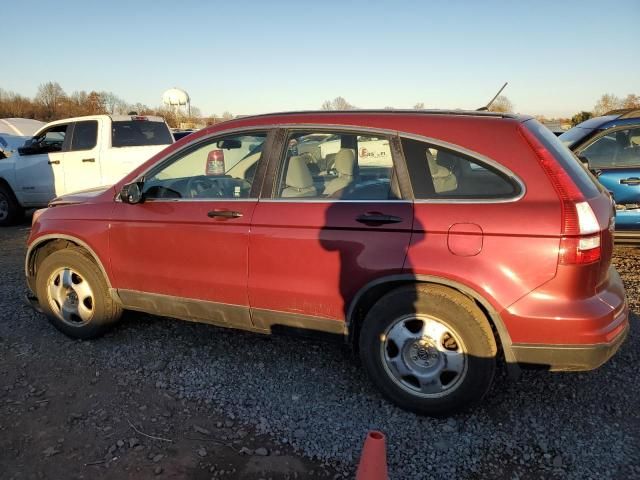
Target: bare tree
<point x="631" y="101"/>
<point x="607" y="102"/>
<point x="227" y="116"/>
<point x="419" y="106"/>
<point x="501" y="104"/>
<point x="50" y="95"/>
<point x="338" y="103"/>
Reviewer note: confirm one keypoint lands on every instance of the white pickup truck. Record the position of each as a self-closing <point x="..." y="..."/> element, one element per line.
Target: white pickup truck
<point x="76" y="154"/>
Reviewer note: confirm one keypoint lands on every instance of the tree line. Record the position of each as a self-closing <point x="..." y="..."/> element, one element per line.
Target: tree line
<point x="51" y="102"/>
<point x="606" y="103"/>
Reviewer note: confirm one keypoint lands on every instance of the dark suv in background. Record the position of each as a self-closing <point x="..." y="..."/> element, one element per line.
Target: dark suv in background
<point x="432" y="241"/>
<point x="610" y="146"/>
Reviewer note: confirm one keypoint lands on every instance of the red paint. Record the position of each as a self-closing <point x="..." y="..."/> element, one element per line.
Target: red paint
<point x="312" y="258"/>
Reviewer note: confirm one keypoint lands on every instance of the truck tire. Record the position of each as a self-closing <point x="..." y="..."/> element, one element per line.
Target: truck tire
<point x="429" y="349"/>
<point x="10" y="210"/>
<point x="74" y="294"/>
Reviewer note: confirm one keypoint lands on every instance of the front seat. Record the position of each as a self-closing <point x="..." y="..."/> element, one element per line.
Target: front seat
<point x="345" y="165"/>
<point x="299" y="182"/>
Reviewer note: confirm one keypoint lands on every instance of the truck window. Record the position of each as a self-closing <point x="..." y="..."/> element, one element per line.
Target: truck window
<point x="85" y="135"/>
<point x="137" y="133"/>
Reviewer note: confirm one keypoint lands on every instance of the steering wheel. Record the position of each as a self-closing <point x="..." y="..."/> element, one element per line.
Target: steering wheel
<point x="198" y="185"/>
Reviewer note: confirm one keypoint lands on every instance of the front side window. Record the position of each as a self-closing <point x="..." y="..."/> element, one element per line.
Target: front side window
<point x="332" y="165"/>
<point x="85" y="135"/>
<point x="221" y="168"/>
<point x="49" y="141"/>
<point x="615" y="149"/>
<point x="438" y="173"/>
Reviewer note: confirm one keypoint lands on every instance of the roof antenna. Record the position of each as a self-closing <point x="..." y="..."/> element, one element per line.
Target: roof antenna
<point x="486" y="107"/>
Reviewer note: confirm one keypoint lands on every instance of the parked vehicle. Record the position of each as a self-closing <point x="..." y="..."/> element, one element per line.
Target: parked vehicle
<point x="459" y="248"/>
<point x="179" y="134"/>
<point x="75" y="154"/>
<point x="610" y="146"/>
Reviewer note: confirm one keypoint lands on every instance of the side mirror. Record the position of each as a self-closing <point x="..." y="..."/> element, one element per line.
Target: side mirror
<point x="131" y="193"/>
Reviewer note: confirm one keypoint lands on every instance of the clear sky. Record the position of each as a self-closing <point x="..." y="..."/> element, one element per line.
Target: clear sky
<point x="251" y="57"/>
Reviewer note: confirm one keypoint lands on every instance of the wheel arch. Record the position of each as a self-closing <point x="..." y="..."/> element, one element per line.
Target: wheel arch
<point x="47" y="244"/>
<point x="367" y="296"/>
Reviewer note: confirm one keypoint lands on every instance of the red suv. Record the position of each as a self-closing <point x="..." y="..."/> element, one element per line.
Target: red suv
<point x="434" y="242"/>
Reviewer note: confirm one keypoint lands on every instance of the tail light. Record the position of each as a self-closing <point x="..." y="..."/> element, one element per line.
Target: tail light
<point x="581" y="239"/>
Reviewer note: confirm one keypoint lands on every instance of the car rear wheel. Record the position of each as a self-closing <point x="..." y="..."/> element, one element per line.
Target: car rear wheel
<point x="429" y="349"/>
<point x="74" y="295"/>
<point x="10" y="210"/>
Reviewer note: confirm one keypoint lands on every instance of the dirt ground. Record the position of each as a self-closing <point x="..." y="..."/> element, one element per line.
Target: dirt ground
<point x="64" y="414"/>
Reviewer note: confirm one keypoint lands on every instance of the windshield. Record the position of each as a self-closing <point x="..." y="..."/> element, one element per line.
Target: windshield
<point x="136" y="133"/>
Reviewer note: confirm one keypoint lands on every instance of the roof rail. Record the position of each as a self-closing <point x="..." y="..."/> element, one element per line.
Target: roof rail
<point x="470" y="113"/>
<point x="625" y="112"/>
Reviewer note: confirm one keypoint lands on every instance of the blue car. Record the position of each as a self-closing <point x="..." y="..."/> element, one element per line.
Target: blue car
<point x="610" y="145"/>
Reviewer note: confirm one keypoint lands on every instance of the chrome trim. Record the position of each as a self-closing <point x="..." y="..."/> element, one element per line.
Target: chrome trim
<point x="327" y="200"/>
<point x="70" y="238"/>
<point x="198" y="200"/>
<point x="355" y="128"/>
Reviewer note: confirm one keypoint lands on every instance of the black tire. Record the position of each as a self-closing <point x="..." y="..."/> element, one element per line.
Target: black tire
<point x="100" y="310"/>
<point x="451" y="311"/>
<point x="10" y="210"/>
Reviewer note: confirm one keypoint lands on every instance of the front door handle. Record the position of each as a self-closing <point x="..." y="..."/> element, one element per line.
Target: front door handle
<point x="224" y="214"/>
<point x="377" y="218"/>
<point x="88" y="160"/>
<point x="54" y="162"/>
<point x="630" y="181"/>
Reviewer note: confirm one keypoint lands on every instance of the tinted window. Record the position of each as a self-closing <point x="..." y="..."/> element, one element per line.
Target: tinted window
<point x="85" y="135"/>
<point x="220" y="168"/>
<point x="136" y="133"/>
<point x="578" y="173"/>
<point x="330" y="165"/>
<point x="615" y="149"/>
<point x="439" y="173"/>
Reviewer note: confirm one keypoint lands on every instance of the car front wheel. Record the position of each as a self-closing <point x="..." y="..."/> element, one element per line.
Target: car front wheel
<point x="429" y="349"/>
<point x="74" y="294"/>
<point x="10" y="209"/>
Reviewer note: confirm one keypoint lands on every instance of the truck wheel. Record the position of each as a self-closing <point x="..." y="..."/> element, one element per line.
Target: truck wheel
<point x="429" y="349"/>
<point x="74" y="295"/>
<point x="10" y="209"/>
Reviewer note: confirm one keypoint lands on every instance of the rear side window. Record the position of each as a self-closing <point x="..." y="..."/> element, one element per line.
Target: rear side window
<point x="85" y="135"/>
<point x="437" y="173"/>
<point x="578" y="173"/>
<point x="137" y="133"/>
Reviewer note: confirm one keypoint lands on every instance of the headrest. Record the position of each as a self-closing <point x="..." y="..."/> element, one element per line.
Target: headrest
<point x="298" y="175"/>
<point x="345" y="161"/>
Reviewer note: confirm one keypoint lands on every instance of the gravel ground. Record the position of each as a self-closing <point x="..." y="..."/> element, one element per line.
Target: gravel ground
<point x="313" y="399"/>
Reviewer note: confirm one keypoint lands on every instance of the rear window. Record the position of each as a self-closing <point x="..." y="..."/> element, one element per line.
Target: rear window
<point x="578" y="173"/>
<point x="137" y="133"/>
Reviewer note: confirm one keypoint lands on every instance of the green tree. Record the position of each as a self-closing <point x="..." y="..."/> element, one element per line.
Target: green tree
<point x="580" y="117"/>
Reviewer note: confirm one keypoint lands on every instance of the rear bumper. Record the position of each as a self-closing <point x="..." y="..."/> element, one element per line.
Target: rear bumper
<point x="573" y="357"/>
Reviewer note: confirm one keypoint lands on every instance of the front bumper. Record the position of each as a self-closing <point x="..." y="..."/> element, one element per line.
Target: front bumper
<point x="572" y="357"/>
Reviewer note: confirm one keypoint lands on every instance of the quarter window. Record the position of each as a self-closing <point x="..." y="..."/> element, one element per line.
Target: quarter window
<point x="438" y="173"/>
<point x="331" y="165"/>
<point x="222" y="168"/>
<point x="85" y="135"/>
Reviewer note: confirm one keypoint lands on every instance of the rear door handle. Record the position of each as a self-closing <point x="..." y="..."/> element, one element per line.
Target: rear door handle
<point x="630" y="181"/>
<point x="87" y="160"/>
<point x="376" y="218"/>
<point x="54" y="162"/>
<point x="224" y="214"/>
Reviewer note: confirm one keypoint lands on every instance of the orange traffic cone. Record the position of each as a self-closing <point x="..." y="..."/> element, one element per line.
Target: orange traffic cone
<point x="373" y="460"/>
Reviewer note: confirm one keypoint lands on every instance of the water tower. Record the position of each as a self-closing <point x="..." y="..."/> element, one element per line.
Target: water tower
<point x="176" y="98"/>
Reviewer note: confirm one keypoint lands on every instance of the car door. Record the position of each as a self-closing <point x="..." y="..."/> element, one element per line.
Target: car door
<point x="614" y="156"/>
<point x="40" y="169"/>
<point x="82" y="159"/>
<point x="318" y="236"/>
<point x="183" y="251"/>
